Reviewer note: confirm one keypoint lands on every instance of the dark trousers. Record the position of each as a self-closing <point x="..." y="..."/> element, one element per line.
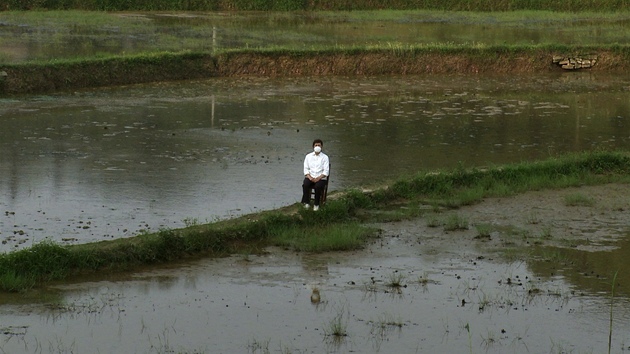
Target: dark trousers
<point x="307" y="185"/>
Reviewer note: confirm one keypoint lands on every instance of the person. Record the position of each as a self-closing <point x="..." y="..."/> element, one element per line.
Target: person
<point x="316" y="170"/>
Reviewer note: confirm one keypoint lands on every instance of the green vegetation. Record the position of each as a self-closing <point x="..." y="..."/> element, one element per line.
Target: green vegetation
<point x="316" y="238"/>
<point x="578" y="199"/>
<point x="293" y="5"/>
<point x="337" y="226"/>
<point x="337" y="328"/>
<point x="483" y="230"/>
<point x="167" y="47"/>
<point x="388" y="60"/>
<point x="456" y="222"/>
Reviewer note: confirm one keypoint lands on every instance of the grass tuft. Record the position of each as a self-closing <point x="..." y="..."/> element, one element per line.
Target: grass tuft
<point x="578" y="199"/>
<point x="315" y="238"/>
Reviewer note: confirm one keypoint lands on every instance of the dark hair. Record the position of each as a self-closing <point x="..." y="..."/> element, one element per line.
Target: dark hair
<point x="318" y="141"/>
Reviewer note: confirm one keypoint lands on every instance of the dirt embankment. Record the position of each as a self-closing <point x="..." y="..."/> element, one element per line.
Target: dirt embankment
<point x="24" y="78"/>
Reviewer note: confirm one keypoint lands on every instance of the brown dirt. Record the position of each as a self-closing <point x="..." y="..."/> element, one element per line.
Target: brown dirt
<point x="126" y="71"/>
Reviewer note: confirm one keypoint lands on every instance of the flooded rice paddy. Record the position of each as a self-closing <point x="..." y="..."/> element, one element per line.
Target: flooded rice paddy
<point x="415" y="289"/>
<point x="100" y="164"/>
<point x="24" y="36"/>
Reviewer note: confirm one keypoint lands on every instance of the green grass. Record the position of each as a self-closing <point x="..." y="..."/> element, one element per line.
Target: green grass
<point x="483" y="230"/>
<point x="455" y="222"/>
<point x="578" y="199"/>
<point x="338" y="5"/>
<point x="382" y="59"/>
<point x="346" y="236"/>
<point x="244" y="31"/>
<point x="339" y="225"/>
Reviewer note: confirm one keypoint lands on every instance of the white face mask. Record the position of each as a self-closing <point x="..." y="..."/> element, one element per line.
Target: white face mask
<point x="317" y="149"/>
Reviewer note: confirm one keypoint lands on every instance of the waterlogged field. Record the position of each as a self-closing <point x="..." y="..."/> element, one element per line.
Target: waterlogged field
<point x="467" y="280"/>
<point x="26" y="36"/>
<point x="110" y="163"/>
<point x="477" y="285"/>
<point x="116" y="162"/>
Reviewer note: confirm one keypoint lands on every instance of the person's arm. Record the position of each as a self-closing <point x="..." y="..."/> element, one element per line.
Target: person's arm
<point x="326" y="172"/>
<point x="306" y="168"/>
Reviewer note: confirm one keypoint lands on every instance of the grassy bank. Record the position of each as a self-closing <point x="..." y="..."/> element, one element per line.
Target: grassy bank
<point x="295" y="5"/>
<point x="382" y="60"/>
<point x="337" y="226"/>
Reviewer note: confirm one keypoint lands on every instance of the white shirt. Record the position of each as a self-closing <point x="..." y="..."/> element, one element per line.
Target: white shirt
<point x="316" y="165"/>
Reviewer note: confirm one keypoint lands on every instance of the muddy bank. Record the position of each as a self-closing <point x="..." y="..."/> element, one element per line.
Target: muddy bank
<point x="34" y="78"/>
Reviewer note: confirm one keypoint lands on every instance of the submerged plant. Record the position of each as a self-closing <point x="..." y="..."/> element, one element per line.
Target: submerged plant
<point x="337" y="328"/>
<point x="257" y="346"/>
<point x="424" y="279"/>
<point x="612" y="301"/>
<point x="396" y="280"/>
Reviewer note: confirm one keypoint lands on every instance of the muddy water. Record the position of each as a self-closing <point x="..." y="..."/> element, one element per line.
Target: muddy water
<point x="455" y="296"/>
<point x="109" y="163"/>
<point x="102" y="164"/>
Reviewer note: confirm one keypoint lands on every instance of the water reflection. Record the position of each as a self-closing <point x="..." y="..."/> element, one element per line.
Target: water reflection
<point x="591" y="271"/>
<point x="457" y="298"/>
<point x="114" y="162"/>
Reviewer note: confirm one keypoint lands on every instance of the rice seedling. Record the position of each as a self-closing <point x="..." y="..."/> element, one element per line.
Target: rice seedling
<point x="555" y="256"/>
<point x="489" y="340"/>
<point x="382" y="326"/>
<point x="483" y="302"/>
<point x="467" y="327"/>
<point x="337" y="327"/>
<point x="396" y="280"/>
<point x="425" y="280"/>
<point x="612" y="302"/>
<point x="256" y="346"/>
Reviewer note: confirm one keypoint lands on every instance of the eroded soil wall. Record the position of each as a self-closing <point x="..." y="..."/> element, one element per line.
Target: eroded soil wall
<point x="25" y="78"/>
